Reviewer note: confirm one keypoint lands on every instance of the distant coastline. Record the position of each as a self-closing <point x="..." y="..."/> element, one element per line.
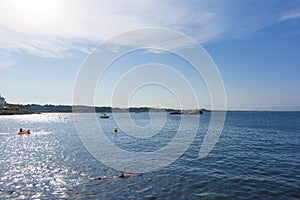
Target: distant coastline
<point x="18" y="109"/>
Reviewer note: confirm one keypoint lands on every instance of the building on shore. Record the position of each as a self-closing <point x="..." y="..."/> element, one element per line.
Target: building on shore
<point x="2" y="101"/>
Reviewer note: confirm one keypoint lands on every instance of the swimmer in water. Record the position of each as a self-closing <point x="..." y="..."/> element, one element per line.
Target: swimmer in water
<point x="127" y="175"/>
<point x="120" y="176"/>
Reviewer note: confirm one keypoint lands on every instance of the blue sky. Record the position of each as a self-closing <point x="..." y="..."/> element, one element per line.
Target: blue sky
<point x="255" y="45"/>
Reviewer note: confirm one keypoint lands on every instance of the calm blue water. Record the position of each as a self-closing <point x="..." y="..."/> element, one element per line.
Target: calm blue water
<point x="256" y="157"/>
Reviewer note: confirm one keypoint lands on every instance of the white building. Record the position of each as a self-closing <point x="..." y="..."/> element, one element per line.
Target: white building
<point x="2" y="100"/>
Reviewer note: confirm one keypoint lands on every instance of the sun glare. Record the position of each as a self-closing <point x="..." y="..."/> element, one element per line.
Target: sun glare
<point x="38" y="8"/>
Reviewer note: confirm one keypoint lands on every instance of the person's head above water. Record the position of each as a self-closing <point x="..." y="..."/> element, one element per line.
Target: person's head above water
<point x="121" y="176"/>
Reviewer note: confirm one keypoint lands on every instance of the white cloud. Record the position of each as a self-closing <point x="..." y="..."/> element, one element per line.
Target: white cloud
<point x="51" y="28"/>
<point x="48" y="29"/>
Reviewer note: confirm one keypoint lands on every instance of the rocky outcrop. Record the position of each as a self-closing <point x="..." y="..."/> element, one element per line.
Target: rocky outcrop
<point x="187" y="112"/>
<point x="11" y="109"/>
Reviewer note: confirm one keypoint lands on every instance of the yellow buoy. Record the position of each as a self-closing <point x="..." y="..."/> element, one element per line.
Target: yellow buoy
<point x="115" y="130"/>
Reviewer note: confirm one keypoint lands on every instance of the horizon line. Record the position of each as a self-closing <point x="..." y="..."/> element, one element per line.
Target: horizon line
<point x="164" y="108"/>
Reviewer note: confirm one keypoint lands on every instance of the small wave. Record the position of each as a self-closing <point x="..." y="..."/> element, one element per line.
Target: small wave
<point x="5" y="133"/>
<point x="41" y="132"/>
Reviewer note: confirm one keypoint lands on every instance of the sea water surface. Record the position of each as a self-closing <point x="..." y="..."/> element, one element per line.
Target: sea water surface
<point x="256" y="157"/>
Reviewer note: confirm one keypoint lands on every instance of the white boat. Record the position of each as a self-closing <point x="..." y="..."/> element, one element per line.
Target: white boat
<point x="104" y="115"/>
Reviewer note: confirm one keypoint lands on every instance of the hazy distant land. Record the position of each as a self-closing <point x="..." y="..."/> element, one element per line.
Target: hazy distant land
<point x="13" y="109"/>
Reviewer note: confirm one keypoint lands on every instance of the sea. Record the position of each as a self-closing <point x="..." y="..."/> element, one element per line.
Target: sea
<point x="257" y="156"/>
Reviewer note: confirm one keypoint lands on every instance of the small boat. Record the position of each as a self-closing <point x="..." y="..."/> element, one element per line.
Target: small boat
<point x="103" y="115"/>
<point x="24" y="132"/>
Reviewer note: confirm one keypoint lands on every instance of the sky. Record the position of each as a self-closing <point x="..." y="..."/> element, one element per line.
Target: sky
<point x="254" y="44"/>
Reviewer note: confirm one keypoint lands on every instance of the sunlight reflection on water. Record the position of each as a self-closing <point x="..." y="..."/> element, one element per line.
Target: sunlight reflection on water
<point x="40" y="118"/>
<point x="254" y="150"/>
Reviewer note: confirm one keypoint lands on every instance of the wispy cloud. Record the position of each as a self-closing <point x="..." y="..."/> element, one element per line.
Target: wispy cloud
<point x="52" y="28"/>
<point x="40" y="45"/>
<point x="291" y="15"/>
